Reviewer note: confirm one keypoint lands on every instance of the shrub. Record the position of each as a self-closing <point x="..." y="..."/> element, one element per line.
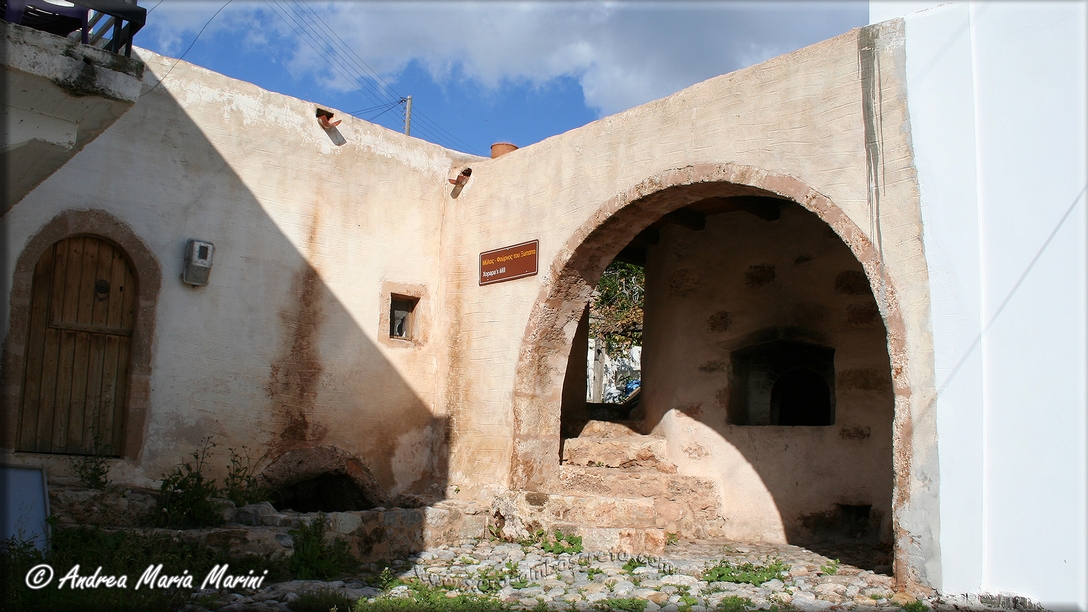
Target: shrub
<point x="314" y="558"/>
<point x="185" y="496"/>
<point x="751" y="573"/>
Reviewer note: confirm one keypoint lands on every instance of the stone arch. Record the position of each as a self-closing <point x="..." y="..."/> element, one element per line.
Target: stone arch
<point x="148" y="272"/>
<point x="573" y="273"/>
<point x="305" y="464"/>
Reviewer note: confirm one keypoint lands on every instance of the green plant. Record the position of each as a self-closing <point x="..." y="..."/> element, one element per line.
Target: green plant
<point x="387" y="579"/>
<point x="754" y="574"/>
<point x="915" y="606"/>
<point x="594" y="571"/>
<point x="321" y="600"/>
<point x="185" y="496"/>
<point x="671" y="539"/>
<point x="627" y="604"/>
<point x="424" y="598"/>
<point x="633" y="563"/>
<point x="831" y="567"/>
<point x="93" y="470"/>
<point x="616" y="310"/>
<point x="240" y="485"/>
<point x="732" y="603"/>
<point x="314" y="557"/>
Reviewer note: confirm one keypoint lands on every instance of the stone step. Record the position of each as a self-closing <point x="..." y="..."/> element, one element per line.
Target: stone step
<point x="626" y="452"/>
<point x="602" y="429"/>
<point x="630" y="483"/>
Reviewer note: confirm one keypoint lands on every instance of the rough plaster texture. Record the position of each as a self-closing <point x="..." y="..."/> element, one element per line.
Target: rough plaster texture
<point x="58" y="96"/>
<point x="313" y="229"/>
<point x="280" y="351"/>
<point x="721" y="289"/>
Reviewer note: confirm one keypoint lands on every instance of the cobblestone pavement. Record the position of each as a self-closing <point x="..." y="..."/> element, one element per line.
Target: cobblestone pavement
<point x="527" y="578"/>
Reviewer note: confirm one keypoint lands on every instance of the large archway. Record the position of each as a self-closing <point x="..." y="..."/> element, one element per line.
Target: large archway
<point x="561" y="302"/>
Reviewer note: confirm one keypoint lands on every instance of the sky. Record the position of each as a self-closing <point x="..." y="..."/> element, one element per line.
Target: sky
<point x="485" y="72"/>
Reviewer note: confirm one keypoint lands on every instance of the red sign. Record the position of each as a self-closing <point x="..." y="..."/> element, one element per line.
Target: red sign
<point x="509" y="263"/>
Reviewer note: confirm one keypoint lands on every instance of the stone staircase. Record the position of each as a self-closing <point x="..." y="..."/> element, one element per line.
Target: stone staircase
<point x="617" y="489"/>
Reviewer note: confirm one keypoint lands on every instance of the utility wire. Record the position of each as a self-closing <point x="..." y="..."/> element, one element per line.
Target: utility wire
<point x="348" y="64"/>
<point x="190" y="46"/>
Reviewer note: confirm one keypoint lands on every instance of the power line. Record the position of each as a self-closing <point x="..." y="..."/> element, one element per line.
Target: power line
<point x="206" y="24"/>
<point x="348" y="64"/>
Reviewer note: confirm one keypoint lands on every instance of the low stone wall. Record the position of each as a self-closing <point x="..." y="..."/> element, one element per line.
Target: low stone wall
<point x="260" y="529"/>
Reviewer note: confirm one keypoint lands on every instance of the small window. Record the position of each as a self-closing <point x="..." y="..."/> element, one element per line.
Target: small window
<point x="400" y="316"/>
<point x="783" y="382"/>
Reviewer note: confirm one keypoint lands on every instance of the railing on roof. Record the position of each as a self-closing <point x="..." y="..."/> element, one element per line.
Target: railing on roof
<point x="107" y="24"/>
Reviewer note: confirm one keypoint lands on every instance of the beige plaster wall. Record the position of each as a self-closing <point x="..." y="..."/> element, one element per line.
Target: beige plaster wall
<point x="703" y="303"/>
<point x="826" y="125"/>
<point x="313" y="228"/>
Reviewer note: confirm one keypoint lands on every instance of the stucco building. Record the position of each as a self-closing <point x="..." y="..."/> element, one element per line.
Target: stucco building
<point x="891" y="222"/>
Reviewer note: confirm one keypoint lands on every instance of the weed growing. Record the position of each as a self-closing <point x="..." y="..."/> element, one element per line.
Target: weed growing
<point x="672" y="539"/>
<point x="240" y="485"/>
<point x="185" y="496"/>
<point x="321" y="601"/>
<point x="557" y="545"/>
<point x="93" y="471"/>
<point x="314" y="557"/>
<point x="830" y="568"/>
<point x="733" y="603"/>
<point x="423" y="598"/>
<point x="632" y="564"/>
<point x="627" y="604"/>
<point x="751" y="573"/>
<point x="915" y="606"/>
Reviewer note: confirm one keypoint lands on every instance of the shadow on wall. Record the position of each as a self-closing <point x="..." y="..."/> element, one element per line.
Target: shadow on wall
<point x="748" y="301"/>
<point x="266" y="356"/>
<point x="765" y="364"/>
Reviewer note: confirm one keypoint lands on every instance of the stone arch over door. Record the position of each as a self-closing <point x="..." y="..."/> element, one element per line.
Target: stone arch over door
<point x="571" y="278"/>
<point x="75" y="230"/>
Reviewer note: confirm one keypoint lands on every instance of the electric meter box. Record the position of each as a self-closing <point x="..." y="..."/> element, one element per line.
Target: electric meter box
<point x="198" y="262"/>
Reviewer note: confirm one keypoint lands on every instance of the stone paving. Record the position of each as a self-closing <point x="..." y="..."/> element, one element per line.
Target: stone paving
<point x="527" y="578"/>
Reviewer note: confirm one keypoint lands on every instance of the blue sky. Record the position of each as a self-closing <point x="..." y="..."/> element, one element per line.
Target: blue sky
<point x="485" y="72"/>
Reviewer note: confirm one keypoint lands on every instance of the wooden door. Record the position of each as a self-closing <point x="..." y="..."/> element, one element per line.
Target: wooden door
<point x="82" y="310"/>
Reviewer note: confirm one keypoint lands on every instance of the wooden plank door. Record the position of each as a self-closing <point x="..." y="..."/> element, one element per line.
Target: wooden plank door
<point x="82" y="311"/>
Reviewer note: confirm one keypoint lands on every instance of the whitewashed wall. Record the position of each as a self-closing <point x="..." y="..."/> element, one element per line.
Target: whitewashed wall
<point x="996" y="94"/>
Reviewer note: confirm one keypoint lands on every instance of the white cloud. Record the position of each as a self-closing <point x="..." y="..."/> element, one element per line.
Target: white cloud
<point x="622" y="54"/>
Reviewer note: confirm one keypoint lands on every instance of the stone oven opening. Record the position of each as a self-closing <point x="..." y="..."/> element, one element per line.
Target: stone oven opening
<point x="323" y="493"/>
<point x="783" y="382"/>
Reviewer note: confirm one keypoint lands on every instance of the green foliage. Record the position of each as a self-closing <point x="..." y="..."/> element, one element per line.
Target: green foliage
<point x="423" y="598"/>
<point x="315" y="558"/>
<point x="633" y="563"/>
<point x="557" y="545"/>
<point x="627" y="604"/>
<point x="915" y="606"/>
<point x="751" y="573"/>
<point x="185" y="496"/>
<point x="241" y="486"/>
<point x="387" y="579"/>
<point x="321" y="601"/>
<point x="490" y="579"/>
<point x="831" y="567"/>
<point x="671" y="539"/>
<point x="733" y="603"/>
<point x="93" y="471"/>
<point x="616" y="311"/>
<point x="594" y="571"/>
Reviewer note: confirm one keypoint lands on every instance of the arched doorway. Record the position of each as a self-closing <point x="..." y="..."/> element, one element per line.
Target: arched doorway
<point x="617" y="223"/>
<point x="120" y="429"/>
<point x="79" y="345"/>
